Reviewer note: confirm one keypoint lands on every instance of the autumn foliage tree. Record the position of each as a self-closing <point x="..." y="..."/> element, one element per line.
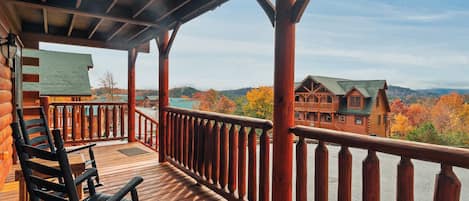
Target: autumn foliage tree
<point x="260" y="103"/>
<point x="213" y="101"/>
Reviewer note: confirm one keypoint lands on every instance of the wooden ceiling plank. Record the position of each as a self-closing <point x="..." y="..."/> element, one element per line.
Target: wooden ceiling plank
<point x="100" y="21"/>
<point x="86" y="13"/>
<point x="44" y="17"/>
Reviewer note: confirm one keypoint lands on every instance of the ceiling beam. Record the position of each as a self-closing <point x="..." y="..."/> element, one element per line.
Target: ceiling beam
<point x="161" y="18"/>
<point x="143" y="8"/>
<point x="44" y="17"/>
<point x="72" y="21"/>
<point x="100" y="21"/>
<point x="79" y="41"/>
<point x="119" y="29"/>
<point x="83" y="12"/>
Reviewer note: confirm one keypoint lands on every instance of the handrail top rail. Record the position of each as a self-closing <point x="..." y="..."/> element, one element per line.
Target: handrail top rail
<point x="242" y="120"/>
<point x="146" y="116"/>
<point x="86" y="103"/>
<point x="421" y="151"/>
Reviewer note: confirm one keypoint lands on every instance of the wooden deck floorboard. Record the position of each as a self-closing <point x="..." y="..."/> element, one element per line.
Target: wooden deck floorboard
<point x="161" y="181"/>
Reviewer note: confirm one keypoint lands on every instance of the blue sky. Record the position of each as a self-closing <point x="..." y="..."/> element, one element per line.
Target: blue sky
<point x="417" y="44"/>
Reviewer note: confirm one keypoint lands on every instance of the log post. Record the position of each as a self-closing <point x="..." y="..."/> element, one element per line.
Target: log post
<point x="132" y="57"/>
<point x="283" y="101"/>
<point x="163" y="92"/>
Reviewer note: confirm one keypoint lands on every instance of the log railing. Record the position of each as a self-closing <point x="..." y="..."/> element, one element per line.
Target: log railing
<point x="447" y="186"/>
<point x="147" y="132"/>
<point x="220" y="151"/>
<point x="82" y="122"/>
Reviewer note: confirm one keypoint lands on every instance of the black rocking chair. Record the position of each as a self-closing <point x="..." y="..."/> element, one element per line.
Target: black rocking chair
<point x="45" y="189"/>
<point x="36" y="133"/>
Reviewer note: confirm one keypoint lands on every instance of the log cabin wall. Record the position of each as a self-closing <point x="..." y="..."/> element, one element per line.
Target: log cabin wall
<point x="6" y="117"/>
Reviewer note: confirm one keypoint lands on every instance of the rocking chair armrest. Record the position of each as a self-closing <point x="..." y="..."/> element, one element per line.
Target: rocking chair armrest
<point x="129" y="187"/>
<point x="86" y="175"/>
<point x="88" y="146"/>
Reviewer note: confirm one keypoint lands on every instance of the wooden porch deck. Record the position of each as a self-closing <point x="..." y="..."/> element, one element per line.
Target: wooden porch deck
<point x="161" y="181"/>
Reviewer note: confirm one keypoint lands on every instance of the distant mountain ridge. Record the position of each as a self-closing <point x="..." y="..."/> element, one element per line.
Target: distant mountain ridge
<point x="406" y="94"/>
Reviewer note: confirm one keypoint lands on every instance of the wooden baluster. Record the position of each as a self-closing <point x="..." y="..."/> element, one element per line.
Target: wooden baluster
<point x="242" y="143"/>
<point x="405" y="180"/>
<point x="106" y="122"/>
<point x="208" y="150"/>
<point x="74" y="123"/>
<point x="150" y="140"/>
<point x="91" y="122"/>
<point x="173" y="136"/>
<point x="122" y="120"/>
<point x="201" y="147"/>
<point x="216" y="153"/>
<point x="176" y="137"/>
<point x="195" y="162"/>
<point x="56" y="116"/>
<point x="100" y="121"/>
<point x="186" y="140"/>
<point x="181" y="139"/>
<point x="224" y="156"/>
<point x="65" y="122"/>
<point x="264" y="169"/>
<point x="252" y="170"/>
<point x="145" y="134"/>
<point x="169" y="133"/>
<point x="114" y="121"/>
<point x="301" y="169"/>
<point x="371" y="185"/>
<point x="190" y="152"/>
<point x="447" y="185"/>
<point x="321" y="183"/>
<point x="345" y="175"/>
<point x="139" y="136"/>
<point x="233" y="168"/>
<point x="83" y="122"/>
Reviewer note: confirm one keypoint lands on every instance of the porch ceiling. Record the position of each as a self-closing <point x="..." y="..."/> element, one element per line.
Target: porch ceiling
<point x="114" y="24"/>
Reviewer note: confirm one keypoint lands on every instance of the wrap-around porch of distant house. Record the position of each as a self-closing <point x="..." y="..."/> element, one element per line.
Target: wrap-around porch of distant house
<point x="194" y="155"/>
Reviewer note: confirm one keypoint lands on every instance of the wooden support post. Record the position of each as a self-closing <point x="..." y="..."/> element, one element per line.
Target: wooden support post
<point x="163" y="89"/>
<point x="283" y="101"/>
<point x="131" y="94"/>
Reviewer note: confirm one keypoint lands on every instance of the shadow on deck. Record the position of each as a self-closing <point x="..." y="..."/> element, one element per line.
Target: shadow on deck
<point x="161" y="181"/>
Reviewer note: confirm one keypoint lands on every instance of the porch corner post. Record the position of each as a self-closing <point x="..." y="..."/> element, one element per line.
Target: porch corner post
<point x="283" y="101"/>
<point x="132" y="57"/>
<point x="163" y="88"/>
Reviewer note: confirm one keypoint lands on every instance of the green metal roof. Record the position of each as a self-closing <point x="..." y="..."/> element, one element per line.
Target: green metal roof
<point x="340" y="87"/>
<point x="60" y="73"/>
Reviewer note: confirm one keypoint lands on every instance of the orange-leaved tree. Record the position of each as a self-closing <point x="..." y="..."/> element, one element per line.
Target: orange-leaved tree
<point x="445" y="111"/>
<point x="401" y="125"/>
<point x="260" y="103"/>
<point x="213" y="101"/>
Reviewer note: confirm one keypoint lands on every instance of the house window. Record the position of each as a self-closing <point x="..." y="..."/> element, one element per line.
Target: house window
<point x="310" y="116"/>
<point x="297" y="98"/>
<point x="326" y="117"/>
<point x="379" y="120"/>
<point x="329" y="99"/>
<point x="297" y="115"/>
<point x="358" y="120"/>
<point x="377" y="101"/>
<point x="316" y="99"/>
<point x="342" y="118"/>
<point x="355" y="101"/>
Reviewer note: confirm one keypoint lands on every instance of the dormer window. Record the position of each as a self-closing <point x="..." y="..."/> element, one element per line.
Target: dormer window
<point x="355" y="101"/>
<point x="329" y="99"/>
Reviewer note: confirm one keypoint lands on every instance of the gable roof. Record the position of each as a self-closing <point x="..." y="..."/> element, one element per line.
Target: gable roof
<point x="341" y="87"/>
<point x="60" y="73"/>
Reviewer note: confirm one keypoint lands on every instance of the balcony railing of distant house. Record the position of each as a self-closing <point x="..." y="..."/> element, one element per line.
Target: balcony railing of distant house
<point x="219" y="151"/>
<point x="447" y="186"/>
<point x="147" y="130"/>
<point x="82" y="122"/>
<point x="314" y="106"/>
